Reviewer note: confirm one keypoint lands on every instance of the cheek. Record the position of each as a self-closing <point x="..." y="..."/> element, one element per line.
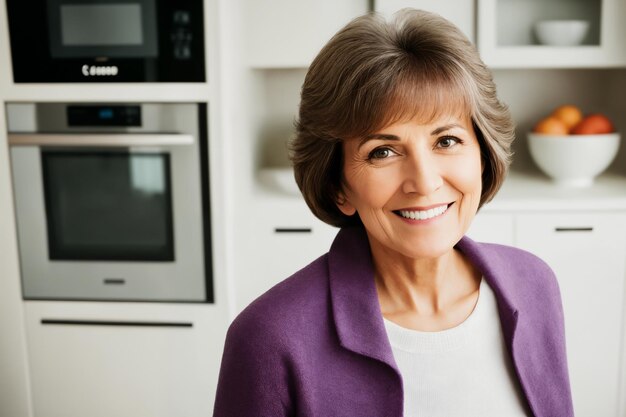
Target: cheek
<point x="467" y="174"/>
<point x="370" y="188"/>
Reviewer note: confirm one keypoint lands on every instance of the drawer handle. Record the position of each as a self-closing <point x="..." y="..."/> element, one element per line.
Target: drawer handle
<point x="114" y="281"/>
<point x="573" y="229"/>
<point x="115" y="323"/>
<point x="293" y="230"/>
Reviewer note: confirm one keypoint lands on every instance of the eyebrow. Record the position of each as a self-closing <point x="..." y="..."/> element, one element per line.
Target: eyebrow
<point x="445" y="127"/>
<point x="379" y="136"/>
<point x="386" y="136"/>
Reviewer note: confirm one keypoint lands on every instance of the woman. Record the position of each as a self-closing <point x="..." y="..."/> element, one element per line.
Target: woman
<point x="400" y="140"/>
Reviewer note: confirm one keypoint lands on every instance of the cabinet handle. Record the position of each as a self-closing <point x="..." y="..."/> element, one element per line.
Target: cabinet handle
<point x="293" y="230"/>
<point x="115" y="323"/>
<point x="114" y="281"/>
<point x="573" y="229"/>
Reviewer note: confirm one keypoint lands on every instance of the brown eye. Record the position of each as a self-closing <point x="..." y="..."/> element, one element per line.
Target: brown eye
<point x="380" y="153"/>
<point x="448" y="142"/>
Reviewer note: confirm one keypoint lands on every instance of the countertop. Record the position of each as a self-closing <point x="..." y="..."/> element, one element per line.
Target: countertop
<point x="535" y="191"/>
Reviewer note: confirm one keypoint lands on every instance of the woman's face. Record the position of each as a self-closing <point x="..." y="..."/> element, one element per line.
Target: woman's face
<point x="415" y="186"/>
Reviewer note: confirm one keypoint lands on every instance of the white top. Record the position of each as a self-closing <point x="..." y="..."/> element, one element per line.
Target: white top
<point x="463" y="371"/>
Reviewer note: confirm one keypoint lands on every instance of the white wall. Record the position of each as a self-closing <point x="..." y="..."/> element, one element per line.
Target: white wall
<point x="14" y="392"/>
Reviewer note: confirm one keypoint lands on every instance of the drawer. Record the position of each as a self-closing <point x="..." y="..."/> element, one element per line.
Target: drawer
<point x="108" y="362"/>
<point x="278" y="243"/>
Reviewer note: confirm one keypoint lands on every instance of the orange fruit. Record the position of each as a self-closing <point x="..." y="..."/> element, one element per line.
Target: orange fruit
<point x="593" y="124"/>
<point x="568" y="114"/>
<point x="551" y="126"/>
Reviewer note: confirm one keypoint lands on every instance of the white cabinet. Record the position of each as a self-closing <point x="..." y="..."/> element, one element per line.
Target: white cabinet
<point x="459" y="12"/>
<point x="506" y="38"/>
<point x="290" y="33"/>
<point x="492" y="228"/>
<point x="284" y="238"/>
<point x="588" y="254"/>
<point x="112" y="360"/>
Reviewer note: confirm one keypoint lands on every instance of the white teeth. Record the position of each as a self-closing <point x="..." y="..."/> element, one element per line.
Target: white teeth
<point x="424" y="214"/>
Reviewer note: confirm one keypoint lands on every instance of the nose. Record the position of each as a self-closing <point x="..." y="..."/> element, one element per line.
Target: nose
<point x="421" y="173"/>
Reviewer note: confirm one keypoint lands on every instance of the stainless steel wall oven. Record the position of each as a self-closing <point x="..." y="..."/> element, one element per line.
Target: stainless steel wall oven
<point x="112" y="201"/>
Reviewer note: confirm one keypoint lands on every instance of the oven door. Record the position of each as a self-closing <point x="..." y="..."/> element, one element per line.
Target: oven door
<point x="109" y="216"/>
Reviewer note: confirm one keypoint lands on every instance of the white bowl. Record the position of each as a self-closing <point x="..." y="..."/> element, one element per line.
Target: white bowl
<point x="561" y="32"/>
<point x="573" y="160"/>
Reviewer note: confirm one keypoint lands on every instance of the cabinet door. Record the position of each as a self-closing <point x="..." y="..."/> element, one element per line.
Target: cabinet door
<point x="290" y="33"/>
<point x="492" y="228"/>
<point x="506" y="37"/>
<point x="283" y="238"/>
<point x="459" y="12"/>
<point x="587" y="252"/>
<point x="119" y="364"/>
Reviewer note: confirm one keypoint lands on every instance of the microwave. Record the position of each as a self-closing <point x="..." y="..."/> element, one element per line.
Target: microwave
<point x="112" y="201"/>
<point x="106" y="41"/>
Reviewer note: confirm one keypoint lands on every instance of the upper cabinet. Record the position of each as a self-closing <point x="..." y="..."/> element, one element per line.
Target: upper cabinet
<point x="507" y="36"/>
<point x="459" y="12"/>
<point x="289" y="34"/>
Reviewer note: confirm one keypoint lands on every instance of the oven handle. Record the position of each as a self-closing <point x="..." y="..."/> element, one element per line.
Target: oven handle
<point x="94" y="139"/>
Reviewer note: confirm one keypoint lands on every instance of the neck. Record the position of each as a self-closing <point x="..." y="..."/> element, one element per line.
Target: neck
<point x="426" y="286"/>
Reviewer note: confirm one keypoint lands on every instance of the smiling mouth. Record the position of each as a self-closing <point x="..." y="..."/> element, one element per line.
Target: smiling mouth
<point x="423" y="214"/>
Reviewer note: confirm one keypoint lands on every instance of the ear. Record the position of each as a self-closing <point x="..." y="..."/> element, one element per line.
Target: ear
<point x="344" y="205"/>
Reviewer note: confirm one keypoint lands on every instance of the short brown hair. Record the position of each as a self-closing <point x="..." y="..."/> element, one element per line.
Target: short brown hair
<point x="373" y="73"/>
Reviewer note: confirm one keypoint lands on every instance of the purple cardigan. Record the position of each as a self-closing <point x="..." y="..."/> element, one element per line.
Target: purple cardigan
<point x="315" y="345"/>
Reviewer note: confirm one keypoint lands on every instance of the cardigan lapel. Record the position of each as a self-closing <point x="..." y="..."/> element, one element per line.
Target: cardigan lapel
<point x="354" y="299"/>
<point x="533" y="332"/>
<point x="497" y="281"/>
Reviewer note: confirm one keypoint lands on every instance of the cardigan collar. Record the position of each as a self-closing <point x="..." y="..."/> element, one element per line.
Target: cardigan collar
<point x="355" y="305"/>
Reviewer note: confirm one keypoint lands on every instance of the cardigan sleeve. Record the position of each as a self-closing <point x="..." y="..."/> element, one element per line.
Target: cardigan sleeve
<point x="253" y="380"/>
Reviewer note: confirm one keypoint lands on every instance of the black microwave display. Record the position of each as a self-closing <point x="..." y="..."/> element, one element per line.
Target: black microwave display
<point x="107" y="40"/>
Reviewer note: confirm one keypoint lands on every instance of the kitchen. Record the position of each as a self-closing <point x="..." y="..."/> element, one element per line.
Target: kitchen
<point x="253" y="74"/>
